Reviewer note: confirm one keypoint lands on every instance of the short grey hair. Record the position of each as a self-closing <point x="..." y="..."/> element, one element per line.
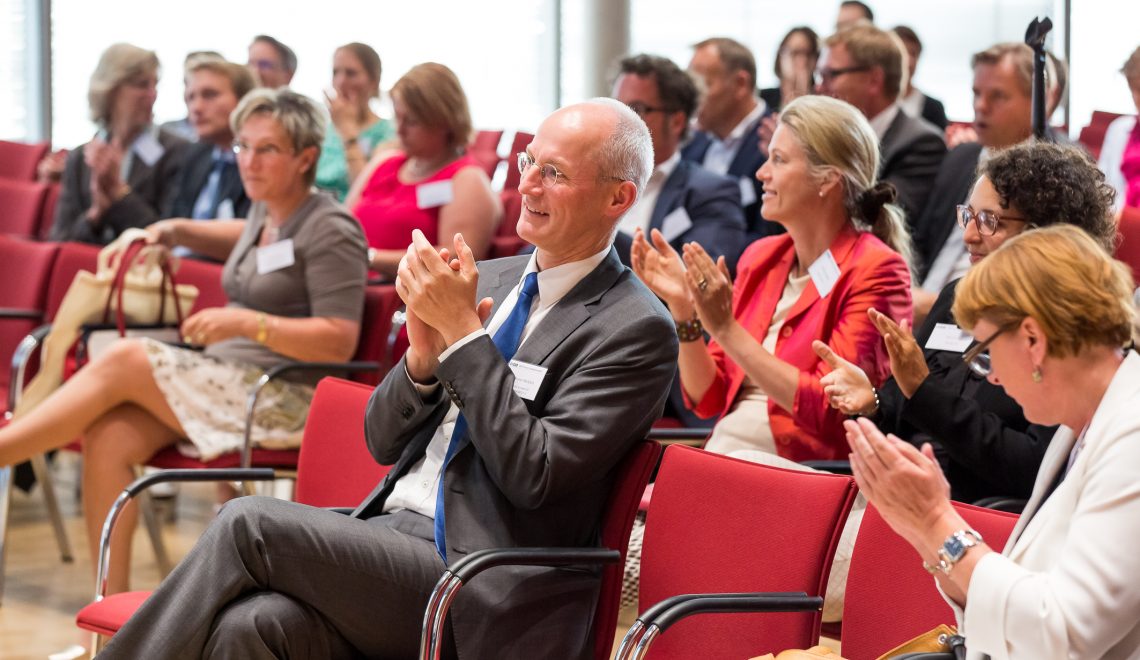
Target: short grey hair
<point x="118" y="64"/>
<point x="628" y="153"/>
<point x="302" y="119"/>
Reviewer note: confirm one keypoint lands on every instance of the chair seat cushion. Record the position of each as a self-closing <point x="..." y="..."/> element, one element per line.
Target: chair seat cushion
<point x="108" y="615"/>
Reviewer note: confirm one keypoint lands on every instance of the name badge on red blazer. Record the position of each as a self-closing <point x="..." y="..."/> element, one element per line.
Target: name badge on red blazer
<point x="824" y="273"/>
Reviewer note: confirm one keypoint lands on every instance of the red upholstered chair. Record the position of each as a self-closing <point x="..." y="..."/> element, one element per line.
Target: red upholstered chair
<point x="760" y="538"/>
<point x="506" y="242"/>
<point x="890" y="598"/>
<point x="335" y="469"/>
<point x="621" y="508"/>
<point x="25" y="269"/>
<point x="519" y="143"/>
<point x="21" y="206"/>
<point x="1128" y="250"/>
<point x="485" y="150"/>
<point x="19" y="160"/>
<point x="1092" y="136"/>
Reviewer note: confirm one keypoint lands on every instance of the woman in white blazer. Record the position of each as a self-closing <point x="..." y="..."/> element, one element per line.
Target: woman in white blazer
<point x="1049" y="312"/>
<point x="1119" y="133"/>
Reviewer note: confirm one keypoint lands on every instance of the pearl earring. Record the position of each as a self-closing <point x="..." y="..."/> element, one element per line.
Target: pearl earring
<point x="821" y="192"/>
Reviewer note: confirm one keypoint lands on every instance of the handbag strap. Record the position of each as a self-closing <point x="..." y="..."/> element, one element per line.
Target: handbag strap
<point x="126" y="259"/>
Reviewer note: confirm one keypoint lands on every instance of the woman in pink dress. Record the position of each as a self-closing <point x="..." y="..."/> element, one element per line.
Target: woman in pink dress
<point x="429" y="183"/>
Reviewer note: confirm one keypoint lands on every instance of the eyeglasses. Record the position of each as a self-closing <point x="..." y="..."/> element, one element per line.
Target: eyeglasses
<point x="826" y="74"/>
<point x="642" y="109"/>
<point x="978" y="357"/>
<point x="270" y="150"/>
<point x="987" y="222"/>
<point x="547" y="172"/>
<point x="264" y="65"/>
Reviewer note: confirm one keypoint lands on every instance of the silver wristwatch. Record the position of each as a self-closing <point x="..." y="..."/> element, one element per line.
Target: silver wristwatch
<point x="953" y="549"/>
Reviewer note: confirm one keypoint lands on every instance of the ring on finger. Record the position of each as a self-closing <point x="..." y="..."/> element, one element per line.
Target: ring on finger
<point x="703" y="284"/>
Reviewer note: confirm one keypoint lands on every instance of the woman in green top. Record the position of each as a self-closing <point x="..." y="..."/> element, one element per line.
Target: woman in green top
<point x="355" y="130"/>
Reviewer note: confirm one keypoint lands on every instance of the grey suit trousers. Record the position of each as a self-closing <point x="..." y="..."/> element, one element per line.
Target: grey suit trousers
<point x="275" y="579"/>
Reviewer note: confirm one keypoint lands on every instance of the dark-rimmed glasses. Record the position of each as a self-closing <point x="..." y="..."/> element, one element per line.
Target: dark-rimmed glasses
<point x="987" y="222"/>
<point x="643" y="109"/>
<point x="978" y="357"/>
<point x="825" y="74"/>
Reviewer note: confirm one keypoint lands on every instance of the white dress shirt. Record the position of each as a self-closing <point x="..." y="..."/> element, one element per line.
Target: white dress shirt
<point x="882" y="121"/>
<point x="721" y="153"/>
<point x="642" y="211"/>
<point x="417" y="489"/>
<point x="912" y="103"/>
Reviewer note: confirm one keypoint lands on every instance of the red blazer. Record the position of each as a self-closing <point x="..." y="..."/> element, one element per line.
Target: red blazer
<point x="870" y="275"/>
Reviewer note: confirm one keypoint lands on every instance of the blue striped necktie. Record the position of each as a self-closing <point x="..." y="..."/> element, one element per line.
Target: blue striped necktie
<point x="507" y="341"/>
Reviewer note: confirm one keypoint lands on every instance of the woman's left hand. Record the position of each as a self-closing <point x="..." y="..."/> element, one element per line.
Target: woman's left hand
<point x="908" y="364"/>
<point x="216" y="324"/>
<point x="344" y="112"/>
<point x="710" y="288"/>
<point x="906" y="485"/>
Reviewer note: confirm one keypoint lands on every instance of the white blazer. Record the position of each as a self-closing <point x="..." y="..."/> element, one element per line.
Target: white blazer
<point x="1112" y="152"/>
<point x="1068" y="583"/>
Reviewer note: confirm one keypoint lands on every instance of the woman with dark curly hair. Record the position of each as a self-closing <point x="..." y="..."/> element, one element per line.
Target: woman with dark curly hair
<point x="981" y="437"/>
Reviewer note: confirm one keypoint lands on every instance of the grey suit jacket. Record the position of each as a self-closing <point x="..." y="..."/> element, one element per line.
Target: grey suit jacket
<point x="534" y="473"/>
<point x="911" y="151"/>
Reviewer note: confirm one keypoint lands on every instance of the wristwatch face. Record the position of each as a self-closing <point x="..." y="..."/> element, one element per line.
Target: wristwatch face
<point x="954" y="547"/>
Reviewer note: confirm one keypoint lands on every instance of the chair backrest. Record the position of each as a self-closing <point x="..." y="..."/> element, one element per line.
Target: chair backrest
<point x="719" y="524"/>
<point x="73" y="257"/>
<point x="207" y="276"/>
<point x="1128" y="250"/>
<point x="890" y="598"/>
<point x="621" y="508"/>
<point x="335" y="468"/>
<point x="485" y="150"/>
<point x="19" y="160"/>
<point x="1092" y="136"/>
<point x="21" y="205"/>
<point x="519" y="143"/>
<point x="380" y="301"/>
<point x="25" y="269"/>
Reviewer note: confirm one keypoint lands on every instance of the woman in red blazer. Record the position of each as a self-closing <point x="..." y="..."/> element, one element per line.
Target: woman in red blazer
<point x="844" y="253"/>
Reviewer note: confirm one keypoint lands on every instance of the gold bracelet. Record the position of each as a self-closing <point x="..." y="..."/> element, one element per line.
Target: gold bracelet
<point x="262" y="329"/>
<point x="690" y="330"/>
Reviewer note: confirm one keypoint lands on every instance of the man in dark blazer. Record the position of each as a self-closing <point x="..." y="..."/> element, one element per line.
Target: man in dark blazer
<point x="1002" y="118"/>
<point x="531" y="464"/>
<point x="863" y="65"/>
<point x="913" y="101"/>
<point x="209" y="186"/>
<point x="729" y="116"/>
<point x="683" y="201"/>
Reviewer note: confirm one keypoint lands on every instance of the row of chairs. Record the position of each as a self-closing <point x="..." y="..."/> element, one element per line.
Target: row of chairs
<point x="743" y="550"/>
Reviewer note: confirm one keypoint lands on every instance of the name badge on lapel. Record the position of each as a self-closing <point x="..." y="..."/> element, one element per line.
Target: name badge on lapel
<point x="528" y="379"/>
<point x="824" y="273"/>
<point x="948" y="337"/>
<point x="431" y="195"/>
<point x="747" y="191"/>
<point x="275" y="256"/>
<point x="676" y="223"/>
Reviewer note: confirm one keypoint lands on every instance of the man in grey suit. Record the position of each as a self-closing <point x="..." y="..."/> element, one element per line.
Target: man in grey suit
<point x="486" y="453"/>
<point x="864" y="66"/>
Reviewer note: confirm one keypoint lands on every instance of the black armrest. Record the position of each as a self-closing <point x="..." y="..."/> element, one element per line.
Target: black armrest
<point x="25" y="314"/>
<point x="671" y="610"/>
<point x="678" y="434"/>
<point x="834" y="467"/>
<point x="1002" y="503"/>
<point x="463" y="570"/>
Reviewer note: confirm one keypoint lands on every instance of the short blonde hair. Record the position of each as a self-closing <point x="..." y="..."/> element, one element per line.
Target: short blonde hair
<point x="302" y="119"/>
<point x="431" y="93"/>
<point x="1060" y="277"/>
<point x="835" y="135"/>
<point x="240" y="77"/>
<point x="118" y="64"/>
<point x="869" y="46"/>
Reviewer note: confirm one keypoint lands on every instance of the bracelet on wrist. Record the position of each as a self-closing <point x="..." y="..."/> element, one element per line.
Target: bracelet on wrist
<point x="262" y="329"/>
<point x="690" y="330"/>
<point x="874" y="410"/>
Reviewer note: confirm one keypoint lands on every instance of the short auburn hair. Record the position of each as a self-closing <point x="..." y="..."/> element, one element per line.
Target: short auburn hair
<point x="1060" y="277"/>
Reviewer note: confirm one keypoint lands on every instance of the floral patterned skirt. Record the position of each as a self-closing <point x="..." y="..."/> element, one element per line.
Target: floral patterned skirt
<point x="209" y="395"/>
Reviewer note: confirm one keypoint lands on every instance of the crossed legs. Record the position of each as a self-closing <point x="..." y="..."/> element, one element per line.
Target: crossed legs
<point x="277" y="579"/>
<point x="116" y="405"/>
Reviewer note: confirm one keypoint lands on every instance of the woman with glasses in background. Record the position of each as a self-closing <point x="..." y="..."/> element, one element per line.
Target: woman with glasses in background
<point x="429" y="183"/>
<point x="1054" y="311"/>
<point x="982" y="438"/>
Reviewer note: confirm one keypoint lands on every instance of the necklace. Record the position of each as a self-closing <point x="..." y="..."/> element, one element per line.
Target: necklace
<point x="418" y="169"/>
<point x="271" y="232"/>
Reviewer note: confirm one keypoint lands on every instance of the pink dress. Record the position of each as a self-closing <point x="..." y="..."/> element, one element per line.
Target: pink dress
<point x="1130" y="168"/>
<point x="388" y="209"/>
